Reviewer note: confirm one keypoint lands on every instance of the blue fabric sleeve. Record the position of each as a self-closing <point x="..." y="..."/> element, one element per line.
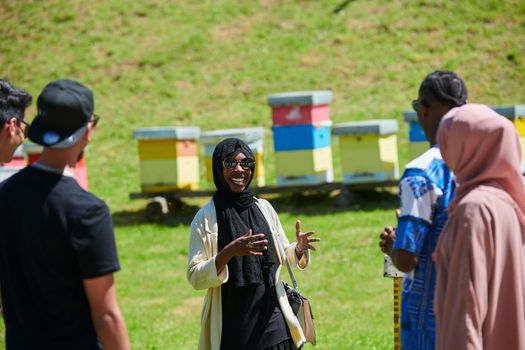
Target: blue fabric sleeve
<point x="411" y="233"/>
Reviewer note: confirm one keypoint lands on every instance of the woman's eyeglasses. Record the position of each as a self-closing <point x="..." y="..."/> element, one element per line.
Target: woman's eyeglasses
<point x="246" y="163"/>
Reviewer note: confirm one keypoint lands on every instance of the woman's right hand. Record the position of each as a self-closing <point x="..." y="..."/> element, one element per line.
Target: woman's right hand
<point x="247" y="245"/>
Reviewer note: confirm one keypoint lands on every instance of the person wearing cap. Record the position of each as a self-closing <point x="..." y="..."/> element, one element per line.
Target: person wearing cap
<point x="13" y="103"/>
<point x="426" y="189"/>
<point x="57" y="245"/>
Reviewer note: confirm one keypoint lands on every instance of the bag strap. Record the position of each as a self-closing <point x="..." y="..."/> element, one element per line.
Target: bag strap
<point x="294" y="282"/>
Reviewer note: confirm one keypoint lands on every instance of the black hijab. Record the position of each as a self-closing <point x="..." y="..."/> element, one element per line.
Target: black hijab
<point x="236" y="214"/>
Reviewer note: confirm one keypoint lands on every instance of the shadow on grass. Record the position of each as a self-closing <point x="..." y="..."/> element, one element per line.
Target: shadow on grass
<point x="182" y="213"/>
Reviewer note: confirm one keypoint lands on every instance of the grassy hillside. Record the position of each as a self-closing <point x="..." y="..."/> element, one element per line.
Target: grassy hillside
<point x="212" y="64"/>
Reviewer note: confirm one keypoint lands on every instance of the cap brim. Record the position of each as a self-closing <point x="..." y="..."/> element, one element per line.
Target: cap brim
<point x="49" y="138"/>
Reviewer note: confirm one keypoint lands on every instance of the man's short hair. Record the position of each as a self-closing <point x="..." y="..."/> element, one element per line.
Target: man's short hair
<point x="444" y="87"/>
<point x="13" y="102"/>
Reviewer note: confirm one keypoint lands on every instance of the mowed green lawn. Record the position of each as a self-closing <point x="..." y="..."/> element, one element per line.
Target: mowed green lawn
<point x="352" y="301"/>
<point x="212" y="64"/>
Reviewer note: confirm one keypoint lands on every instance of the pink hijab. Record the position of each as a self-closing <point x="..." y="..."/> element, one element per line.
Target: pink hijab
<point x="482" y="148"/>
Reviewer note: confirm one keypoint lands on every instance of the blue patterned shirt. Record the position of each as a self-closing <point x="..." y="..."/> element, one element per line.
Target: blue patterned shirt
<point x="426" y="189"/>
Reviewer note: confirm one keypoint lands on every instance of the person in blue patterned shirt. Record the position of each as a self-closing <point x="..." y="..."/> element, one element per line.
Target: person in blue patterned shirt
<point x="426" y="188"/>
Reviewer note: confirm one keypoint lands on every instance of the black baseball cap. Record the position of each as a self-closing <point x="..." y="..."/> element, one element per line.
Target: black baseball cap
<point x="64" y="109"/>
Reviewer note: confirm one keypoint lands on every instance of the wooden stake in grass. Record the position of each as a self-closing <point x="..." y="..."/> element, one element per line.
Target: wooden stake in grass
<point x="390" y="271"/>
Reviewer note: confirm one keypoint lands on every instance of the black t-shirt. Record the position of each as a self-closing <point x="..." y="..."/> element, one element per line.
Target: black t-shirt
<point x="53" y="234"/>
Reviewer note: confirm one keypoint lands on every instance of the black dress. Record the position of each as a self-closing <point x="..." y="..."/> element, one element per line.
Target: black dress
<point x="252" y="318"/>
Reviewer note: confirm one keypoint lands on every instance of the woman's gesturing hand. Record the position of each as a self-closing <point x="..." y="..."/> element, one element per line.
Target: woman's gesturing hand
<point x="248" y="245"/>
<point x="304" y="241"/>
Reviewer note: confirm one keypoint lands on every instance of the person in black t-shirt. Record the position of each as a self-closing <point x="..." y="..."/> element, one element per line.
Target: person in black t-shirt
<point x="57" y="246"/>
<point x="13" y="103"/>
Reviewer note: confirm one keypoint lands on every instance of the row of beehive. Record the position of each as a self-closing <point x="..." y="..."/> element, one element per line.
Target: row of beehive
<point x="169" y="156"/>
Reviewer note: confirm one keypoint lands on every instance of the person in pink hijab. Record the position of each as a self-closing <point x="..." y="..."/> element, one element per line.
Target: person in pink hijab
<point x="480" y="256"/>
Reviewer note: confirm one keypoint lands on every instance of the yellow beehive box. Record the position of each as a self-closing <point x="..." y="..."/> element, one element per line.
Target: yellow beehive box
<point x="254" y="137"/>
<point x="303" y="162"/>
<point x="319" y="177"/>
<point x="166" y="175"/>
<point x="168" y="158"/>
<point x="304" y="167"/>
<point x="368" y="150"/>
<point x="516" y="114"/>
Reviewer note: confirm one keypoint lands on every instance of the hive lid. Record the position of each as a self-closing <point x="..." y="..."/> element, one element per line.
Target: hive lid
<point x="168" y="132"/>
<point x="410" y="116"/>
<point x="375" y="127"/>
<point x="510" y="112"/>
<point x="318" y="97"/>
<point x="248" y="135"/>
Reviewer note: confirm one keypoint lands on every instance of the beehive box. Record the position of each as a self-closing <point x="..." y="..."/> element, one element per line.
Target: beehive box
<point x="302" y="107"/>
<point x="254" y="137"/>
<point x="516" y="114"/>
<point x="301" y="137"/>
<point x="304" y="167"/>
<point x="417" y="141"/>
<point x="168" y="158"/>
<point x="368" y="150"/>
<point x="17" y="163"/>
<point x="34" y="151"/>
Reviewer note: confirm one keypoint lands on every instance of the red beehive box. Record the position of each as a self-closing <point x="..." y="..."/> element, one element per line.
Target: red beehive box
<point x="303" y="107"/>
<point x="34" y="152"/>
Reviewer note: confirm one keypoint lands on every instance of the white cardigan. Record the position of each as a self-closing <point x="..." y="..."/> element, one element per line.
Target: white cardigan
<point x="202" y="273"/>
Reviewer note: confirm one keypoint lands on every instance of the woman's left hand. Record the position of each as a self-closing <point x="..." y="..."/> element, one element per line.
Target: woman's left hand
<point x="304" y="241"/>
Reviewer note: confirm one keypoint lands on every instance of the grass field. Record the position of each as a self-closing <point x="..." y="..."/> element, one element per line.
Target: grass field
<point x="212" y="64"/>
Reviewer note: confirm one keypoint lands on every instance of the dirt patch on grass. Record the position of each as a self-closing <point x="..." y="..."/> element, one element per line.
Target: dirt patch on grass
<point x="189" y="307"/>
<point x="236" y="30"/>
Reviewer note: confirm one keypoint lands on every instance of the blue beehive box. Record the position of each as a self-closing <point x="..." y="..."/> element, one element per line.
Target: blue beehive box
<point x="416" y="133"/>
<point x="417" y="141"/>
<point x="301" y="137"/>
